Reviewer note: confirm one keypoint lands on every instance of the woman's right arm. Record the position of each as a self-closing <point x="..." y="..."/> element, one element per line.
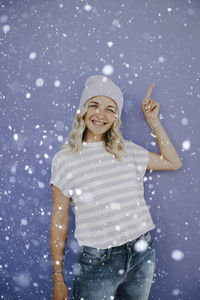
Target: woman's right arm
<point x="59" y="231"/>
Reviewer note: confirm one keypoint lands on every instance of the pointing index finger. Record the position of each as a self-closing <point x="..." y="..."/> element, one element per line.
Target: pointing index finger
<point x="149" y="91"/>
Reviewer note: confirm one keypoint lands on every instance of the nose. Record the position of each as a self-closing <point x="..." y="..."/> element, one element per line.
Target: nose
<point x="100" y="116"/>
<point x="100" y="112"/>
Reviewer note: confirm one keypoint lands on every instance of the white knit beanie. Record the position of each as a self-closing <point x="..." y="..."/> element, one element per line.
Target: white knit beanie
<point x="101" y="85"/>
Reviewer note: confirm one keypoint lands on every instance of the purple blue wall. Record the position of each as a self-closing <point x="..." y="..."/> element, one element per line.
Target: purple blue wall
<point x="48" y="50"/>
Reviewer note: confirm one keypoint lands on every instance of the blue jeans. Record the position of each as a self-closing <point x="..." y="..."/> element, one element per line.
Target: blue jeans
<point x="118" y="273"/>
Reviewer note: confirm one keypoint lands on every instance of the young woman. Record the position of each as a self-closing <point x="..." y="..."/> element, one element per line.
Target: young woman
<point x="100" y="175"/>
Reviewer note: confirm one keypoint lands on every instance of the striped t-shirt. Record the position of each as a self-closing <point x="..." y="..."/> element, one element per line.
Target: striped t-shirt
<point x="106" y="196"/>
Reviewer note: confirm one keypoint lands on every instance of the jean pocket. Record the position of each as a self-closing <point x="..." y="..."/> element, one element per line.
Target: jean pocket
<point x="92" y="259"/>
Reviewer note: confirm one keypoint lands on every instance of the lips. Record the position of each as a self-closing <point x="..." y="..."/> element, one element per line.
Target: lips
<point x="98" y="123"/>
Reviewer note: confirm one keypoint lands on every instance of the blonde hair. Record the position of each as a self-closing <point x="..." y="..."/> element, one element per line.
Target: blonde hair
<point x="113" y="141"/>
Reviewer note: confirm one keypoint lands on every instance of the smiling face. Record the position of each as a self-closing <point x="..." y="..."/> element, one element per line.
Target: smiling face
<point x="100" y="115"/>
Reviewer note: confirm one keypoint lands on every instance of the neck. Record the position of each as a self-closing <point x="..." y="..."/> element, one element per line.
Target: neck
<point x="92" y="139"/>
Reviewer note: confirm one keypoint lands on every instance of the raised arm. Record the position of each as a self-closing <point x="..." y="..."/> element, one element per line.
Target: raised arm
<point x="59" y="231"/>
<point x="168" y="158"/>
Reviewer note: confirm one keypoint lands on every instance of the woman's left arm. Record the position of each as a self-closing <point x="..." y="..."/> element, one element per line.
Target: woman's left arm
<point x="168" y="158"/>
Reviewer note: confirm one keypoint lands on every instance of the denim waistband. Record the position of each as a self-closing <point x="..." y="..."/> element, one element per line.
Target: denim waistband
<point x="107" y="251"/>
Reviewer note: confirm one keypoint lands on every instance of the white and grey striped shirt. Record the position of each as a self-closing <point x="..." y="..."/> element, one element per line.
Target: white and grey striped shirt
<point x="106" y="196"/>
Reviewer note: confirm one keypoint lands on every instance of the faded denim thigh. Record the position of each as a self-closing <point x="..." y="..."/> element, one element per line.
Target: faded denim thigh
<point x="120" y="273"/>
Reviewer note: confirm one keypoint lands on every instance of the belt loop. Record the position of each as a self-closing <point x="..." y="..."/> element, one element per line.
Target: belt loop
<point x="109" y="250"/>
<point x="129" y="245"/>
<point x="80" y="248"/>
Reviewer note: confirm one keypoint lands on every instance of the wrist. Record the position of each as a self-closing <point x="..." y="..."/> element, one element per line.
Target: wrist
<point x="155" y="124"/>
<point x="58" y="272"/>
<point x="58" y="278"/>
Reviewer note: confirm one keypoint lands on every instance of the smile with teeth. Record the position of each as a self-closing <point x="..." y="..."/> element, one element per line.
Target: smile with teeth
<point x="99" y="124"/>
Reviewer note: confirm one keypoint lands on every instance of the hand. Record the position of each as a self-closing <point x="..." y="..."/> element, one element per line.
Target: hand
<point x="150" y="108"/>
<point x="60" y="292"/>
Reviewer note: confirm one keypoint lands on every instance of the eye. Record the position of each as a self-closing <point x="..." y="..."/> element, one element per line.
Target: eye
<point x="111" y="110"/>
<point x="95" y="105"/>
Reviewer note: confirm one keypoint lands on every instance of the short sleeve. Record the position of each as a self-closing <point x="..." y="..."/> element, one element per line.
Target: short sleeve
<point x="61" y="175"/>
<point x="141" y="157"/>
